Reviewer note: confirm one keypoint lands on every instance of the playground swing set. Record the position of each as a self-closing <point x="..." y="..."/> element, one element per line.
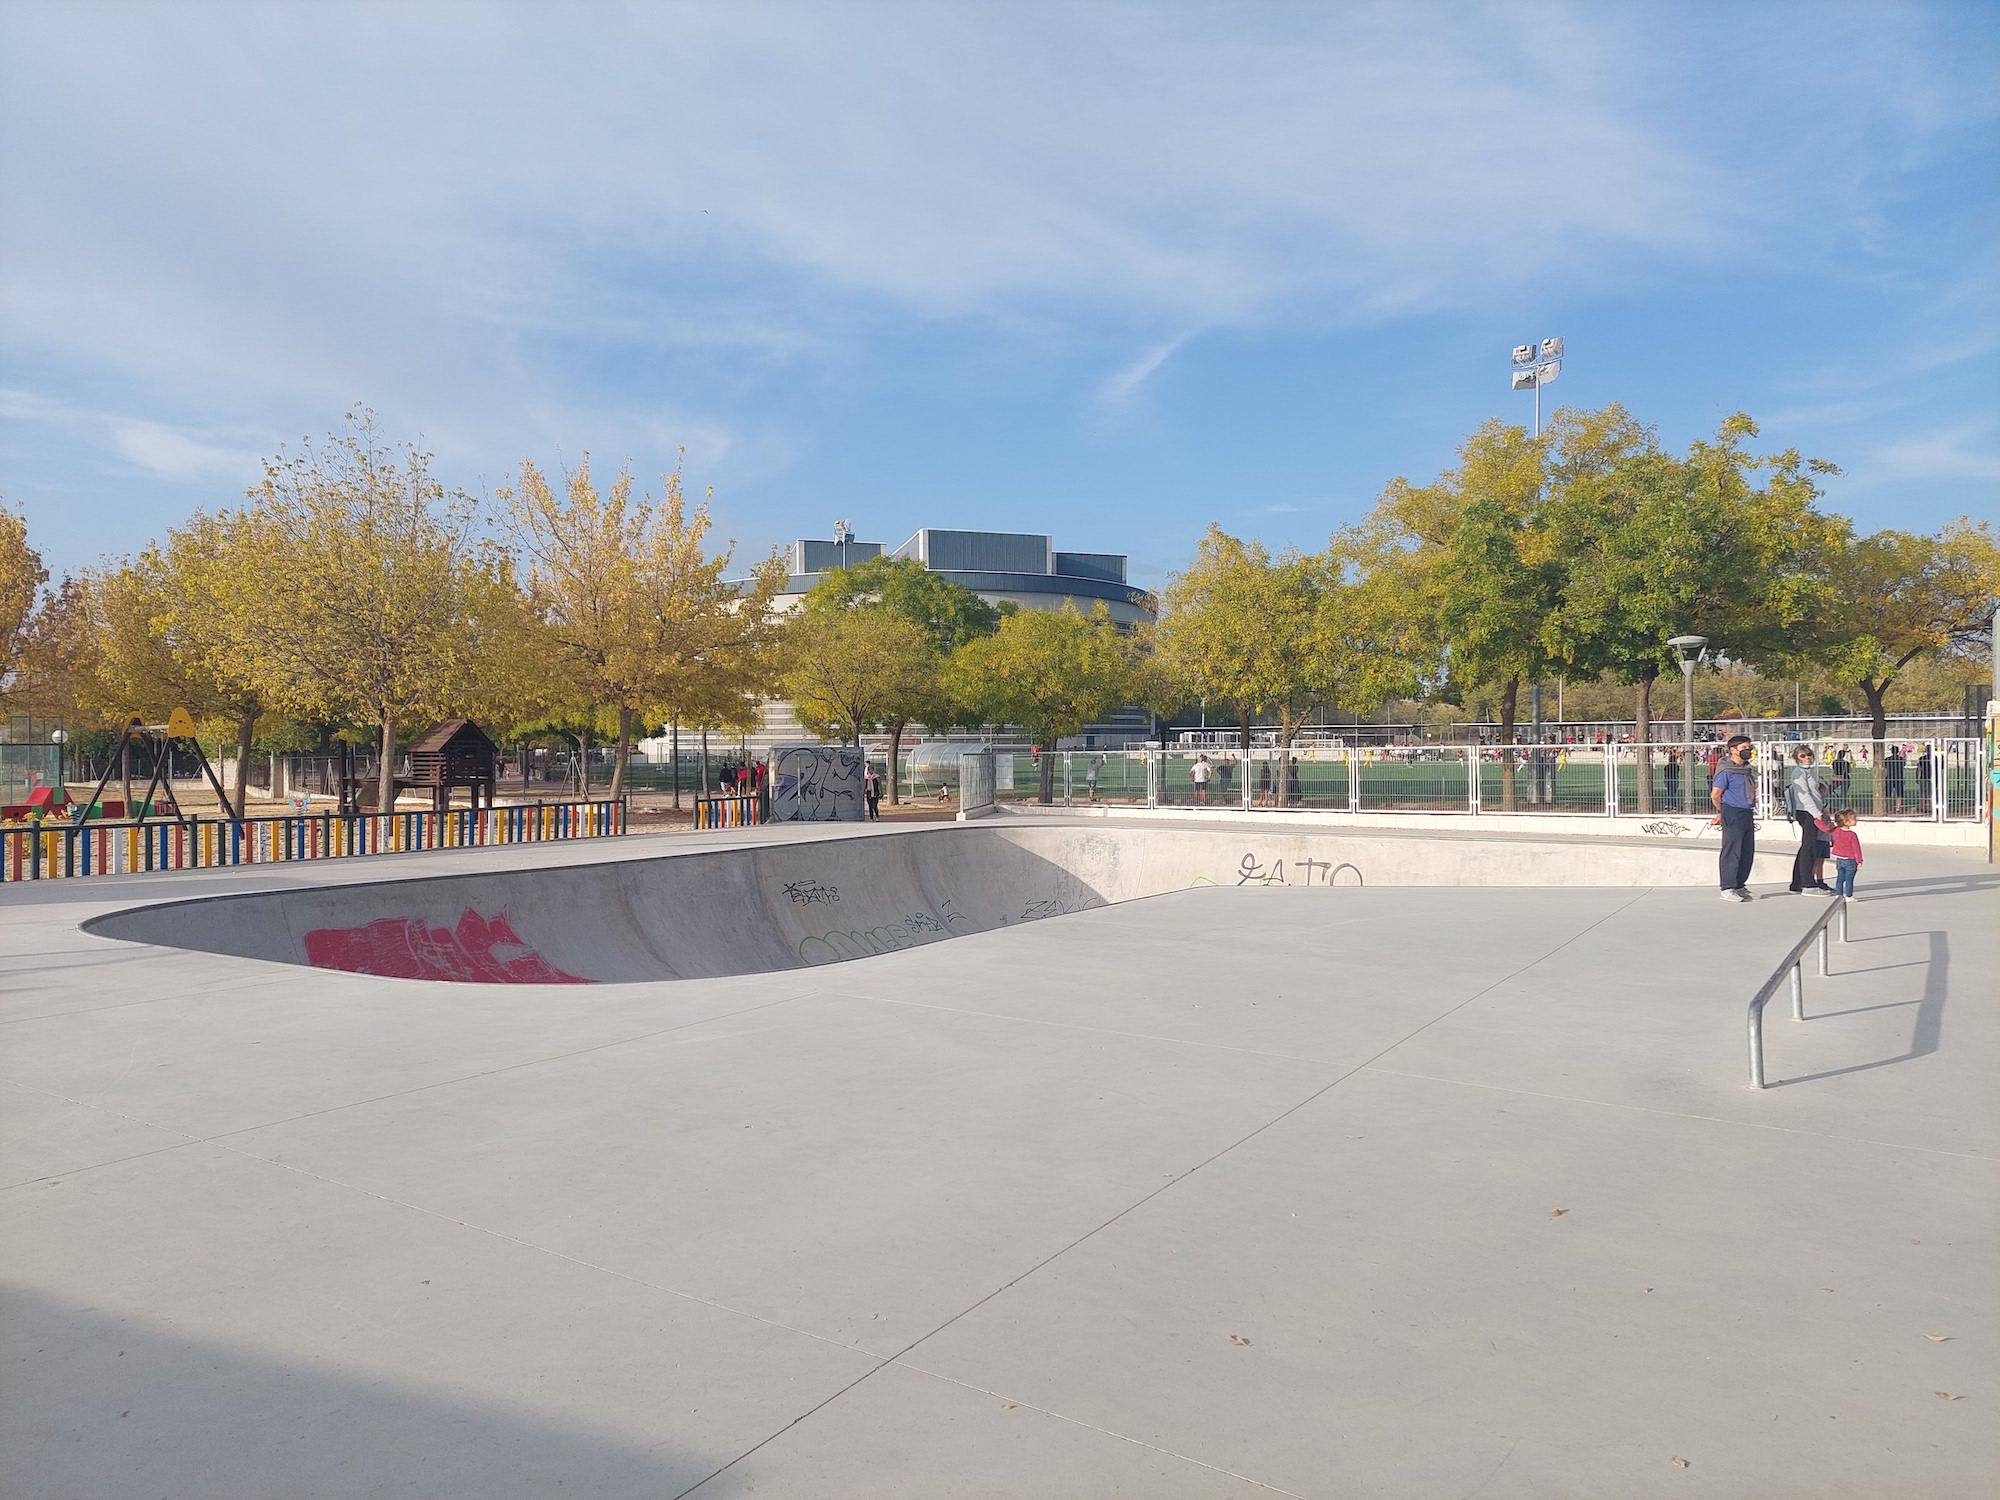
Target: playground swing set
<point x="159" y="741"/>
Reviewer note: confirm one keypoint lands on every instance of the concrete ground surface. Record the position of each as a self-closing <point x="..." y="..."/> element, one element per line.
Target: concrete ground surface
<point x="1321" y="1191"/>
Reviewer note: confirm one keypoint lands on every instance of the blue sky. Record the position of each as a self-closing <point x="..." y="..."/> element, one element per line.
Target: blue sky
<point x="1110" y="272"/>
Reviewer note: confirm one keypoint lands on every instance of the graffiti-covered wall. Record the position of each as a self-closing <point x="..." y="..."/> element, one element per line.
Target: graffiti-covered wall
<point x="816" y="784"/>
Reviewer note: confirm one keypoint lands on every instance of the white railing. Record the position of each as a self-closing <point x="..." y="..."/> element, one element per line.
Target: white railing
<point x="1938" y="781"/>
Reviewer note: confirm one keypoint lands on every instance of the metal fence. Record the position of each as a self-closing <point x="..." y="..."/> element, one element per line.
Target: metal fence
<point x="65" y="850"/>
<point x="1935" y="781"/>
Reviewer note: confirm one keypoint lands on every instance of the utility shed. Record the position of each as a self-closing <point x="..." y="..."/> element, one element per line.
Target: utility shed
<point x="453" y="752"/>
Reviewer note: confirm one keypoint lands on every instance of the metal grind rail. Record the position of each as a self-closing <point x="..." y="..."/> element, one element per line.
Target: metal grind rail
<point x="1792" y="969"/>
<point x="59" y="849"/>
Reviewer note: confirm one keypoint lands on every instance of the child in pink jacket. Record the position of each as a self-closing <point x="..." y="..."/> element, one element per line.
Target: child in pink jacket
<point x="1846" y="849"/>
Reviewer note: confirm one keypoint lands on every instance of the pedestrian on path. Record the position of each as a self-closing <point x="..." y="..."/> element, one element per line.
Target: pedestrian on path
<point x="1846" y="850"/>
<point x="871" y="789"/>
<point x="1733" y="793"/>
<point x="1805" y="802"/>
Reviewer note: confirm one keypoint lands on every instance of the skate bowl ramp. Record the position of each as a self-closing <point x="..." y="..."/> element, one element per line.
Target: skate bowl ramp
<point x="754" y="908"/>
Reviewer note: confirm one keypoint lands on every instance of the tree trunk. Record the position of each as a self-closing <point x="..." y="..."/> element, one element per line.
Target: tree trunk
<point x="1878" y="731"/>
<point x="1243" y="719"/>
<point x="583" y="766"/>
<point x="674" y="755"/>
<point x="895" y="755"/>
<point x="1047" y="793"/>
<point x="246" y="729"/>
<point x="624" y="749"/>
<point x="1648" y="674"/>
<point x="1510" y="700"/>
<point x="385" y="776"/>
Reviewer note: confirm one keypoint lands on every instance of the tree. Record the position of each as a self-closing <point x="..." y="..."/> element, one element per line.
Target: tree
<point x="585" y="554"/>
<point x="1466" y="560"/>
<point x="21" y="578"/>
<point x="1279" y="636"/>
<point x="160" y="637"/>
<point x="1657" y="546"/>
<point x="847" y="670"/>
<point x="1051" y="671"/>
<point x="947" y="614"/>
<point x="372" y="601"/>
<point x="1895" y="598"/>
<point x="714" y="644"/>
<point x="1206" y="640"/>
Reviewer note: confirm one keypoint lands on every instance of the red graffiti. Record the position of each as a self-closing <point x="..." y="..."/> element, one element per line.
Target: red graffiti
<point x="479" y="950"/>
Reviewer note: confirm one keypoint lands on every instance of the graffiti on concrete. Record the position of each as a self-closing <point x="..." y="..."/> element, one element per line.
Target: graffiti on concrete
<point x="479" y="950"/>
<point x="839" y="947"/>
<point x="950" y="916"/>
<point x="1665" y="826"/>
<point x="1054" y="906"/>
<point x="812" y="893"/>
<point x="1253" y="871"/>
<point x="816" y="784"/>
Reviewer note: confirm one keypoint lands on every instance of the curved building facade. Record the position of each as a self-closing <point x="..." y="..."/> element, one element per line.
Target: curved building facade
<point x="1020" y="568"/>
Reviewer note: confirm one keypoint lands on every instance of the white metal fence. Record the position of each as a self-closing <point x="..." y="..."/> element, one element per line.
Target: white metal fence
<point x="1937" y="781"/>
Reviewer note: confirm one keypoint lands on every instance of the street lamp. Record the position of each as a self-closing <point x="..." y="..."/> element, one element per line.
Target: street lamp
<point x="59" y="739"/>
<point x="843" y="533"/>
<point x="1536" y="365"/>
<point x="1692" y="651"/>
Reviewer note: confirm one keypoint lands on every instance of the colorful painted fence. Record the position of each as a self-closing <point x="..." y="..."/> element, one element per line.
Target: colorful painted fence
<point x="728" y="812"/>
<point x="60" y="850"/>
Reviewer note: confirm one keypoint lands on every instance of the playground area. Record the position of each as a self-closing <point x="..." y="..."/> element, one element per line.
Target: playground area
<point x="1027" y="1157"/>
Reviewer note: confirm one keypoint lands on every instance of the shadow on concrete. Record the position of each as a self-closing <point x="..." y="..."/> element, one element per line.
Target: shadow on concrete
<point x="1929" y="1021"/>
<point x="1942" y="885"/>
<point x="109" y="1406"/>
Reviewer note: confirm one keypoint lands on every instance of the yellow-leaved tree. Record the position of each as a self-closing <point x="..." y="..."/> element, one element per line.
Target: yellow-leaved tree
<point x="362" y="594"/>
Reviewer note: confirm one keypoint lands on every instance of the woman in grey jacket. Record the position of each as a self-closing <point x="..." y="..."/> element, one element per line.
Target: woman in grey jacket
<point x="1805" y="800"/>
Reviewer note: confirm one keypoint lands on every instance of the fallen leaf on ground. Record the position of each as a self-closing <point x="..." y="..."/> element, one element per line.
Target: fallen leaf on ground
<point x="1237" y="1338"/>
<point x="1680" y="1463"/>
<point x="1008" y="1405"/>
<point x="1557" y="1213"/>
<point x="1938" y="1338"/>
<point x="1946" y="1396"/>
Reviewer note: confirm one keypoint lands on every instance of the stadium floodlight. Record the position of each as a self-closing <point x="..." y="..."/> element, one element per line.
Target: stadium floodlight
<point x="843" y="533"/>
<point x="1535" y="365"/>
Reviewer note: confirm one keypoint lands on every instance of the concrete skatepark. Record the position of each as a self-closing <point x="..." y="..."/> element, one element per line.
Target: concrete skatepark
<point x="1280" y="1161"/>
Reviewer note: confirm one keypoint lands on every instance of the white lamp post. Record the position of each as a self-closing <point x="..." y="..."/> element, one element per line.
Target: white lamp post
<point x="1692" y="651"/>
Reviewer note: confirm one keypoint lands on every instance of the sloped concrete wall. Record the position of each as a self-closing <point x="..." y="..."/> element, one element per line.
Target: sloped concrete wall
<point x="756" y="908"/>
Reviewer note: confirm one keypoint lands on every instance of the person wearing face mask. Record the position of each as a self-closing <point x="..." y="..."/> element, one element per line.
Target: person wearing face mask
<point x="1733" y="793"/>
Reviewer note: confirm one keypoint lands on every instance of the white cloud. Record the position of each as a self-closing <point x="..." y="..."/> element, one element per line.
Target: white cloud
<point x="1122" y="385"/>
<point x="1950" y="453"/>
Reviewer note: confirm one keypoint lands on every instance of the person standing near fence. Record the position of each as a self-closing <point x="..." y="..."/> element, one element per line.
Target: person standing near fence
<point x="1199" y="773"/>
<point x="1090" y="777"/>
<point x="871" y="789"/>
<point x="1843" y="776"/>
<point x="1673" y="774"/>
<point x="1924" y="780"/>
<point x="1892" y="779"/>
<point x="1806" y="803"/>
<point x="1733" y="793"/>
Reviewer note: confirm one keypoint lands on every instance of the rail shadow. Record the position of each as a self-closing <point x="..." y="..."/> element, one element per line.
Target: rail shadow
<point x="1929" y="1024"/>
